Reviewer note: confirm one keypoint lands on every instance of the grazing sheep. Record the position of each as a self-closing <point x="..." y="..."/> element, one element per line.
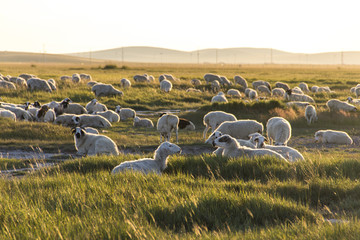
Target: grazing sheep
<point x="241" y="81"/>
<point x="278" y="92"/>
<point x="193" y="90"/>
<point x="324" y="89"/>
<point x="233" y="149"/>
<point x="168" y="77"/>
<point x="310" y="114"/>
<point x="27" y="76"/>
<point x="143" y="122"/>
<point x="125" y="113"/>
<point x="102" y="89"/>
<point x="304" y="87"/>
<point x="220" y="97"/>
<point x="87" y="120"/>
<point x="142" y="78"/>
<point x="65" y="120"/>
<point x="185" y="124"/>
<point x="214" y="119"/>
<point x="165" y="85"/>
<point x="7" y="114"/>
<point x="195" y="82"/>
<point x="21" y="114"/>
<point x="209" y="77"/>
<point x="95" y="106"/>
<point x="297" y="104"/>
<point x="65" y="77"/>
<point x="258" y="83"/>
<point x="353" y="101"/>
<point x="50" y="116"/>
<point x="52" y="84"/>
<point x="240" y="129"/>
<point x="337" y="105"/>
<point x="125" y="83"/>
<point x="157" y="164"/>
<point x="225" y="81"/>
<point x="92" y="83"/>
<point x="8" y="85"/>
<point x="247" y="90"/>
<point x="253" y="94"/>
<point x="314" y="89"/>
<point x="332" y="136"/>
<point x="110" y="115"/>
<point x="290" y="96"/>
<point x="278" y="131"/>
<point x="86" y="77"/>
<point x="281" y="85"/>
<point x="215" y="86"/>
<point x="76" y="78"/>
<point x="67" y="107"/>
<point x="93" y="144"/>
<point x="297" y="90"/>
<point x="264" y="89"/>
<point x="234" y="93"/>
<point x="21" y="82"/>
<point x="38" y="84"/>
<point x="166" y="124"/>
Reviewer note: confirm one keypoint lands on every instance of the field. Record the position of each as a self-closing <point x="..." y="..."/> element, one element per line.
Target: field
<point x="199" y="195"/>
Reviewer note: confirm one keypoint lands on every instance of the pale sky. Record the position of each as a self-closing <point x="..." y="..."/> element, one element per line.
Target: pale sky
<point x="64" y="26"/>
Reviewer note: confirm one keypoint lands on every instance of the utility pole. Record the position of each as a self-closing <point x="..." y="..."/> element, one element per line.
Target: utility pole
<point x="198" y="57"/>
<point x="342" y="57"/>
<point x="216" y="56"/>
<point x="271" y="55"/>
<point x="122" y="55"/>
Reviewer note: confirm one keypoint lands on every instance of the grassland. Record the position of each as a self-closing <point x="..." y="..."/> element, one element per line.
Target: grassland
<point x="198" y="196"/>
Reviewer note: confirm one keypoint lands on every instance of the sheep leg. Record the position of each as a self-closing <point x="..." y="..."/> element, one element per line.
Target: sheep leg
<point x="176" y="135"/>
<point x="205" y="131"/>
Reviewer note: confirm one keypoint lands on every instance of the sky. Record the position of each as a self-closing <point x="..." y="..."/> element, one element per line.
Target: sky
<point x="67" y="26"/>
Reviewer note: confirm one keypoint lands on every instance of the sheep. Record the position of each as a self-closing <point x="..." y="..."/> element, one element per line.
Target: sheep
<point x="337" y="105"/>
<point x="143" y="122"/>
<point x="74" y="108"/>
<point x="310" y="114"/>
<point x="27" y="76"/>
<point x="233" y="149"/>
<point x="125" y="83"/>
<point x="253" y="94"/>
<point x="125" y="113"/>
<point x="193" y="90"/>
<point x="353" y="101"/>
<point x="195" y="82"/>
<point x="215" y="86"/>
<point x="65" y="77"/>
<point x="50" y="116"/>
<point x="281" y="85"/>
<point x="95" y="106"/>
<point x="324" y="89"/>
<point x="278" y="131"/>
<point x="290" y="96"/>
<point x="304" y="87"/>
<point x="209" y="77"/>
<point x="21" y="114"/>
<point x="7" y="114"/>
<point x="142" y="78"/>
<point x="217" y="134"/>
<point x="157" y="164"/>
<point x="186" y="124"/>
<point x="297" y="90"/>
<point x="87" y="120"/>
<point x="85" y="76"/>
<point x="93" y="144"/>
<point x="65" y="120"/>
<point x="91" y="130"/>
<point x="220" y="97"/>
<point x="165" y="124"/>
<point x="102" y="89"/>
<point x="8" y="85"/>
<point x="314" y="88"/>
<point x="332" y="136"/>
<point x="168" y="77"/>
<point x="278" y="92"/>
<point x="214" y="119"/>
<point x="225" y="81"/>
<point x="247" y="90"/>
<point x="21" y="82"/>
<point x="38" y="84"/>
<point x="297" y="104"/>
<point x="52" y="84"/>
<point x="165" y="85"/>
<point x="240" y="129"/>
<point x="110" y="115"/>
<point x="289" y="153"/>
<point x="234" y="93"/>
<point x="92" y="83"/>
<point x="40" y="113"/>
<point x="264" y="89"/>
<point x="241" y="81"/>
<point x="357" y="92"/>
<point x="76" y="78"/>
<point x="258" y="83"/>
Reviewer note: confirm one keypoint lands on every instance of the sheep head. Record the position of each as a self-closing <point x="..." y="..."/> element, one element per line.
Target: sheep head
<point x="212" y="137"/>
<point x="78" y="132"/>
<point x="222" y="141"/>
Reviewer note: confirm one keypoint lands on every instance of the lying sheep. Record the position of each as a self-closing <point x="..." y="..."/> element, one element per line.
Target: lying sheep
<point x="21" y="82"/>
<point x="283" y="86"/>
<point x="220" y="97"/>
<point x="304" y="87"/>
<point x="166" y="124"/>
<point x="310" y="114"/>
<point x="7" y="85"/>
<point x="65" y="120"/>
<point x="247" y="90"/>
<point x="27" y="76"/>
<point x="85" y="76"/>
<point x="102" y="89"/>
<point x="7" y="114"/>
<point x="241" y="81"/>
<point x="263" y="89"/>
<point x="234" y="93"/>
<point x="165" y="85"/>
<point x="332" y="136"/>
<point x="324" y="89"/>
<point x="38" y="84"/>
<point x="214" y="119"/>
<point x="195" y="82"/>
<point x="233" y="149"/>
<point x="215" y="86"/>
<point x="50" y="116"/>
<point x="185" y="124"/>
<point x="157" y="164"/>
<point x="258" y="83"/>
<point x="110" y="115"/>
<point x="337" y="105"/>
<point x="314" y="88"/>
<point x="52" y="84"/>
<point x="253" y="94"/>
<point x="40" y="113"/>
<point x="125" y="83"/>
<point x="95" y="106"/>
<point x="125" y="113"/>
<point x="73" y="108"/>
<point x="93" y="144"/>
<point x="87" y="120"/>
<point x="65" y="77"/>
<point x="278" y="131"/>
<point x="278" y="92"/>
<point x="353" y="101"/>
<point x="143" y="122"/>
<point x="240" y="129"/>
<point x="290" y="96"/>
<point x="21" y="114"/>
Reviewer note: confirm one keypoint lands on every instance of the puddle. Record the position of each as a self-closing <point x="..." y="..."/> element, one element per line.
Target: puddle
<point x="36" y="154"/>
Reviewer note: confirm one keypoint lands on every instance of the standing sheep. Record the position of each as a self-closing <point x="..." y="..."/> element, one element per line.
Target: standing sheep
<point x="234" y="93"/>
<point x="76" y="78"/>
<point x="214" y="119"/>
<point x="240" y="129"/>
<point x="102" y="89"/>
<point x="278" y="131"/>
<point x="215" y="86"/>
<point x="165" y="85"/>
<point x="150" y="165"/>
<point x="281" y="85"/>
<point x="166" y="124"/>
<point x="278" y="92"/>
<point x="38" y="84"/>
<point x="241" y="81"/>
<point x="304" y="87"/>
<point x="220" y="97"/>
<point x="310" y="114"/>
<point x="87" y="120"/>
<point x="125" y="83"/>
<point x="209" y="77"/>
<point x="95" y="106"/>
<point x="337" y="105"/>
<point x="258" y="83"/>
<point x="143" y="122"/>
<point x="290" y="96"/>
<point x="332" y="136"/>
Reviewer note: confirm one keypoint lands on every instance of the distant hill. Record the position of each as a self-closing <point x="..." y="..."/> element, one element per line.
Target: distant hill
<point x="227" y="55"/>
<point x="6" y="56"/>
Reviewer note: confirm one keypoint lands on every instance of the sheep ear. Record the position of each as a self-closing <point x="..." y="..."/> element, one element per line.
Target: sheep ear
<point x="73" y="130"/>
<point x="82" y="131"/>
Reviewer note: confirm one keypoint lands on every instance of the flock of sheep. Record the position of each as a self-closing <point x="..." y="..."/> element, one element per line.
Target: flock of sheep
<point x="232" y="137"/>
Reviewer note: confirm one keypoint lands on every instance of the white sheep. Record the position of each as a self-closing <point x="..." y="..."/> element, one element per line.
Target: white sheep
<point x="73" y="108"/>
<point x="21" y="114"/>
<point x="264" y="89"/>
<point x="214" y="119"/>
<point x="310" y="114"/>
<point x="102" y="89"/>
<point x="209" y="77"/>
<point x="7" y="114"/>
<point x="38" y="84"/>
<point x="278" y="131"/>
<point x="165" y="124"/>
<point x="282" y="85"/>
<point x="143" y="122"/>
<point x="241" y="81"/>
<point x="27" y="76"/>
<point x="240" y="129"/>
<point x="92" y="83"/>
<point x="215" y="86"/>
<point x="225" y="81"/>
<point x="7" y="85"/>
<point x="337" y="105"/>
<point x="332" y="136"/>
<point x="110" y="115"/>
<point x="50" y="116"/>
<point x="91" y="130"/>
<point x="85" y="76"/>
<point x="195" y="82"/>
<point x="278" y="92"/>
<point x="220" y="97"/>
<point x="93" y="144"/>
<point x="157" y="164"/>
<point x="290" y="96"/>
<point x="165" y="85"/>
<point x="324" y="89"/>
<point x="234" y="93"/>
<point x="87" y="120"/>
<point x="95" y="106"/>
<point x="65" y="77"/>
<point x="166" y="77"/>
<point x="125" y="113"/>
<point x="304" y="87"/>
<point x="253" y="94"/>
<point x="52" y="84"/>
<point x="125" y="83"/>
<point x="21" y="82"/>
<point x="233" y="149"/>
<point x="65" y="120"/>
<point x="258" y="83"/>
<point x="297" y="90"/>
<point x="314" y="88"/>
<point x="76" y="78"/>
<point x="247" y="90"/>
<point x="353" y="101"/>
<point x="142" y="78"/>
